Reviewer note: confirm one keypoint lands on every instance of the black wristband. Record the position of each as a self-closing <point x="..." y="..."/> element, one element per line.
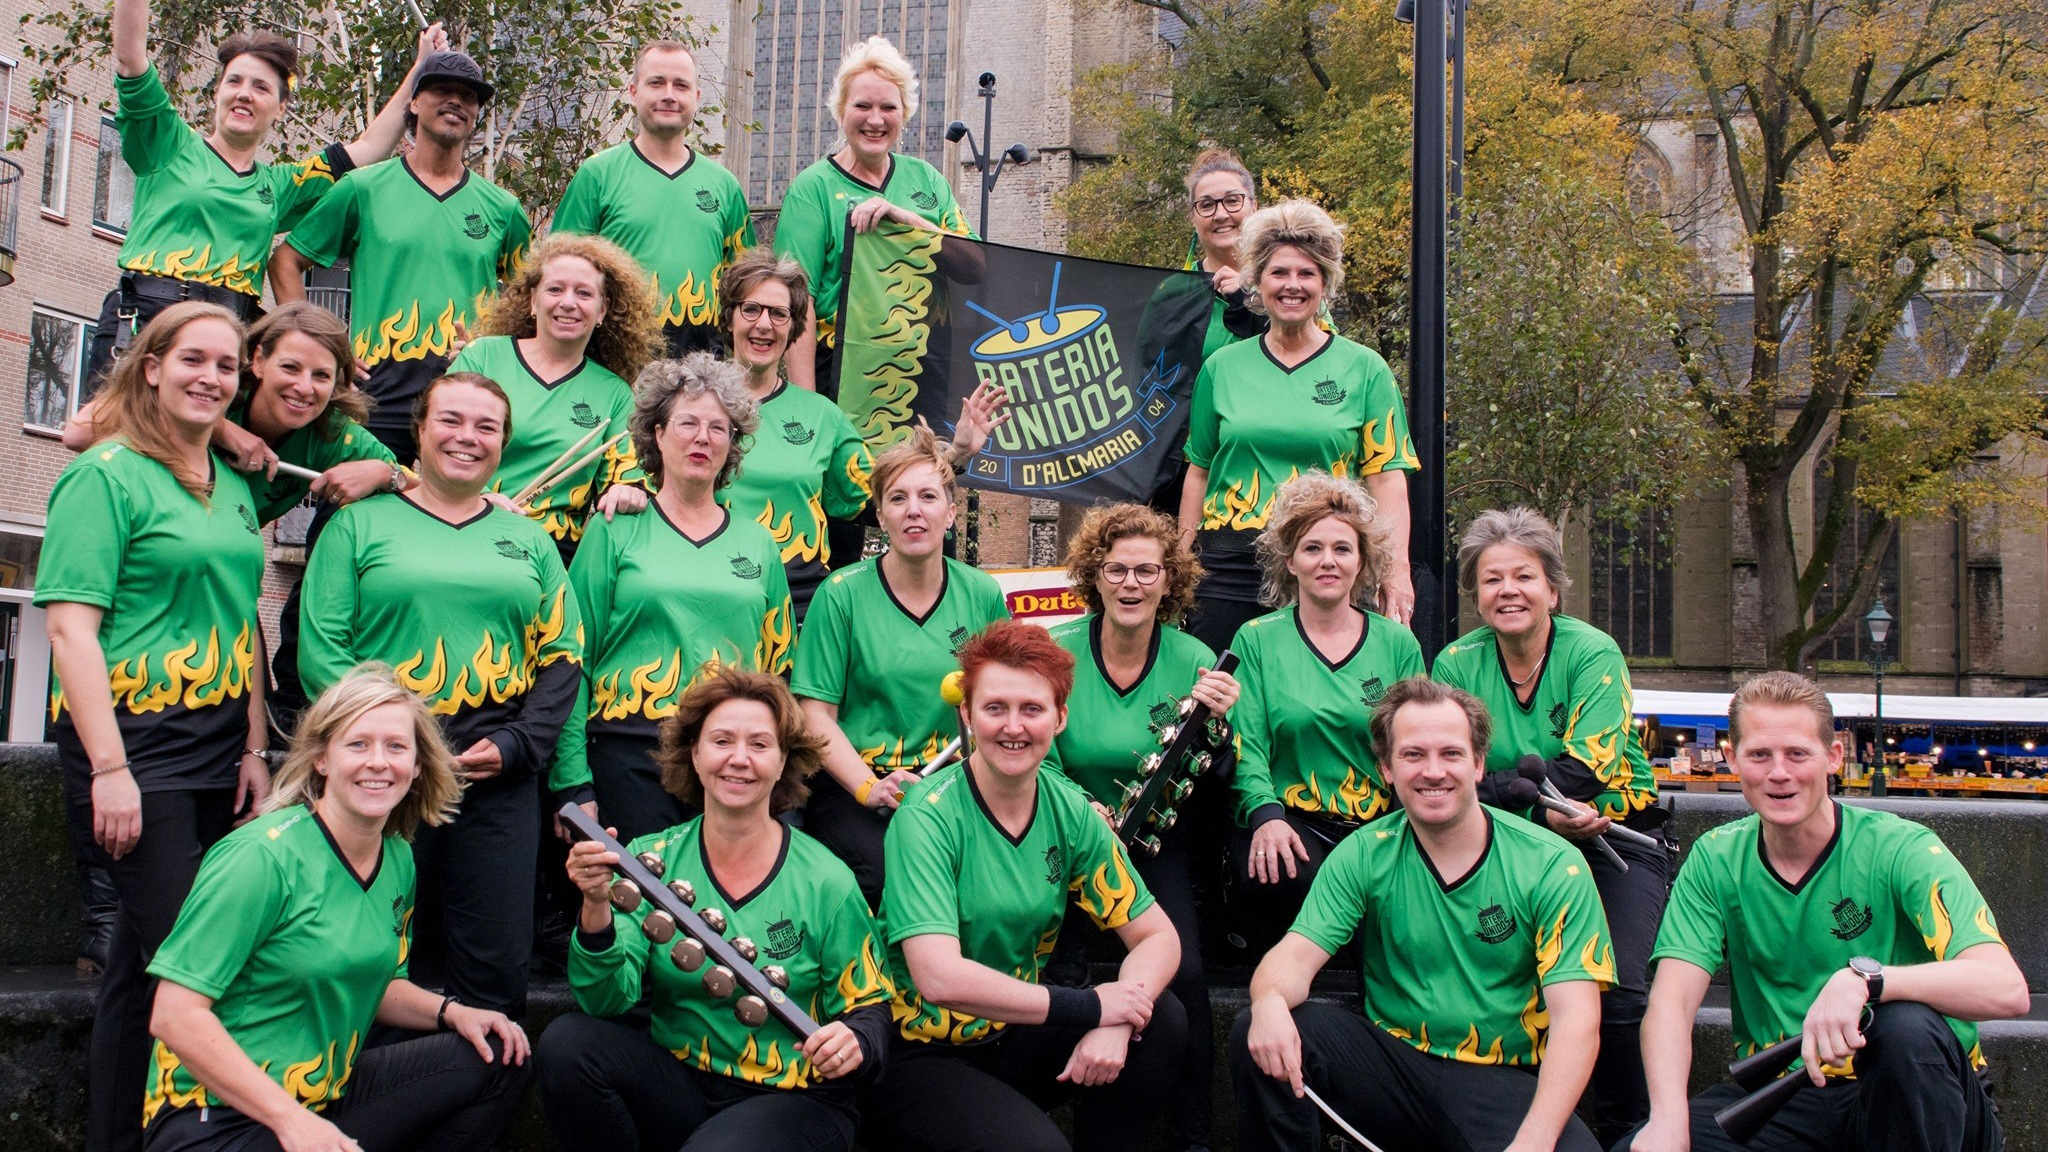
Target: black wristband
<point x="1072" y="1007"/>
<point x="441" y="1017"/>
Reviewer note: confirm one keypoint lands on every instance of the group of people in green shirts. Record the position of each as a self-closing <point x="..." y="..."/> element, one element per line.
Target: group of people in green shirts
<point x="577" y="555"/>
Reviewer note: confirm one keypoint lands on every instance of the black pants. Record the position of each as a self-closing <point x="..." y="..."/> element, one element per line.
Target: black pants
<point x="992" y="1097"/>
<point x="606" y="1087"/>
<point x="853" y="832"/>
<point x="1262" y="912"/>
<point x="476" y="882"/>
<point x="1914" y="1092"/>
<point x="1170" y="877"/>
<point x="108" y="332"/>
<point x="630" y="797"/>
<point x="1215" y="621"/>
<point x="1394" y="1095"/>
<point x="152" y="881"/>
<point x="433" y="1094"/>
<point x="1634" y="900"/>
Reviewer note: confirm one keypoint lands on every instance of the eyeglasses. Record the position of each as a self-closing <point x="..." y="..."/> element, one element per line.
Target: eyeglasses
<point x="1145" y="574"/>
<point x="688" y="426"/>
<point x="1207" y="206"/>
<point x="752" y="312"/>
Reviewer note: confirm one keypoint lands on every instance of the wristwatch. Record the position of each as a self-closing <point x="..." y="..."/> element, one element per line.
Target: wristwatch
<point x="1873" y="977"/>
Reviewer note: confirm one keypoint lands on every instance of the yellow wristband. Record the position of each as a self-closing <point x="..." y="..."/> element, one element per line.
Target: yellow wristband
<point x="860" y="794"/>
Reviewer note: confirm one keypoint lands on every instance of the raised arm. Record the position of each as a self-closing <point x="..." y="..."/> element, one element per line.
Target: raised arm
<point x="288" y="274"/>
<point x="380" y="139"/>
<point x="131" y="37"/>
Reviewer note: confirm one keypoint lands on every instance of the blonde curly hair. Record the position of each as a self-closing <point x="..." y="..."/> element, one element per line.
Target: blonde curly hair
<point x="1301" y="504"/>
<point x="630" y="336"/>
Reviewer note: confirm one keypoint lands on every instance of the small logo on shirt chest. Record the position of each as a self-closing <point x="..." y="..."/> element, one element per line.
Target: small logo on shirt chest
<point x="1328" y="393"/>
<point x="1851" y="920"/>
<point x="1370" y="690"/>
<point x="925" y="200"/>
<point x="1055" y="865"/>
<point x="796" y="433"/>
<point x="706" y="202"/>
<point x="511" y="551"/>
<point x="582" y="415"/>
<point x="784" y="938"/>
<point x="1559" y="719"/>
<point x="745" y="569"/>
<point x="1496" y="924"/>
<point x="475" y="226"/>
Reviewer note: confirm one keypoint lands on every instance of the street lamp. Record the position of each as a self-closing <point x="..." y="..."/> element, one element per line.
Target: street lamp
<point x="1015" y="154"/>
<point x="1879" y="624"/>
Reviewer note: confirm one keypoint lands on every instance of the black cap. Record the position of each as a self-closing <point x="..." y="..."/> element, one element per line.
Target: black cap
<point x="456" y="66"/>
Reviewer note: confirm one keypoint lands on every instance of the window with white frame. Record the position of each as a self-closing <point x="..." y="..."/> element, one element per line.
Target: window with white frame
<point x="113" y="183"/>
<point x="57" y="158"/>
<point x="7" y="67"/>
<point x="57" y="347"/>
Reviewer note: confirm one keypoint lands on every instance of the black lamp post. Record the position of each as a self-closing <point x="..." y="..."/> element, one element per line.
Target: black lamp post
<point x="1015" y="154"/>
<point x="1879" y="624"/>
<point x="1428" y="238"/>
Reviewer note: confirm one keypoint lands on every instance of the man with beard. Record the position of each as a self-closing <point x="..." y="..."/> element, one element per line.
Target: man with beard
<point x="675" y="210"/>
<point x="426" y="239"/>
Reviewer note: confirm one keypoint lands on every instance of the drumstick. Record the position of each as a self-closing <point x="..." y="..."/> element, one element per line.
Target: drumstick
<point x="295" y="470"/>
<point x="951" y="750"/>
<point x="548" y="485"/>
<point x="526" y="492"/>
<point x="416" y="13"/>
<point x="1355" y="1135"/>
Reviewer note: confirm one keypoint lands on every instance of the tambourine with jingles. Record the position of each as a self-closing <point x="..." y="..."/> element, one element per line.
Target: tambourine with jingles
<point x="1166" y="777"/>
<point x="702" y="933"/>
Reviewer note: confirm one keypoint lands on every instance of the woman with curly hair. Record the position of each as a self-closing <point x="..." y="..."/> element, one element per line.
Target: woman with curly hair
<point x="735" y="746"/>
<point x="671" y="596"/>
<point x="569" y="330"/>
<point x="1306" y="774"/>
<point x="1127" y="564"/>
<point x="295" y="941"/>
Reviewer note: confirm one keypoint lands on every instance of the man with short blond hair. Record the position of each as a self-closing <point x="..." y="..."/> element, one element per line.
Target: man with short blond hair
<point x="672" y="208"/>
<point x="1850" y="928"/>
<point x="1484" y="953"/>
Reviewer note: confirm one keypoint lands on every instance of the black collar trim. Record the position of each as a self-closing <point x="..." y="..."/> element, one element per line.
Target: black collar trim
<point x="1451" y="886"/>
<point x="635" y="146"/>
<point x="1364" y="630"/>
<point x="878" y="189"/>
<point x="550" y="385"/>
<point x="1329" y="341"/>
<point x="715" y="533"/>
<point x="363" y="881"/>
<point x="441" y="196"/>
<point x="458" y="525"/>
<point x="981" y="802"/>
<point x="244" y="173"/>
<point x="1151" y="657"/>
<point x="1819" y="861"/>
<point x="738" y="902"/>
<point x="945" y="583"/>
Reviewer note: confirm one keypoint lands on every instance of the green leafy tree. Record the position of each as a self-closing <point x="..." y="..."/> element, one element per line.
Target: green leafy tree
<point x="559" y="68"/>
<point x="1877" y="156"/>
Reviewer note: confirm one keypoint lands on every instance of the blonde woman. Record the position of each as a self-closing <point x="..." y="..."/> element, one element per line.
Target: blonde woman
<point x="864" y="182"/>
<point x="294" y="942"/>
<point x="1311" y="671"/>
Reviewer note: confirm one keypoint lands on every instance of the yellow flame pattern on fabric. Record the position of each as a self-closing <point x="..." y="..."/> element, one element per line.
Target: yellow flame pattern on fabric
<point x="401" y="336"/>
<point x="1359" y="797"/>
<point x="1944" y="929"/>
<point x="196" y="265"/>
<point x="1107" y="896"/>
<point x="901" y="338"/>
<point x="493" y="672"/>
<point x="778" y="632"/>
<point x="864" y="980"/>
<point x="195" y="675"/>
<point x="307" y="1083"/>
<point x="885" y="757"/>
<point x="162" y="1091"/>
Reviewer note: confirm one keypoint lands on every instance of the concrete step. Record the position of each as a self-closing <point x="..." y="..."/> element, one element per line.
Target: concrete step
<point x="46" y="1015"/>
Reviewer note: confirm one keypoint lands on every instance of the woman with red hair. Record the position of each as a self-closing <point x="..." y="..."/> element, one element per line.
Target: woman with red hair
<point x="981" y="857"/>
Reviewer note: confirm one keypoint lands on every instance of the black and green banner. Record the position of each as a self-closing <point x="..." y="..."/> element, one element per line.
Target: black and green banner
<point x="1099" y="359"/>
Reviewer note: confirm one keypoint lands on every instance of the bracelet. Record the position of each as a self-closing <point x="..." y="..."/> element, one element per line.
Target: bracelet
<point x="98" y="772"/>
<point x="441" y="1017"/>
<point x="258" y="753"/>
<point x="1072" y="1007"/>
<point x="861" y="794"/>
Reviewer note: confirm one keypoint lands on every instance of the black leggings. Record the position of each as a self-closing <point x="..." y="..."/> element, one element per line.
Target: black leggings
<point x="630" y="797"/>
<point x="606" y="1087"/>
<point x="1264" y="912"/>
<point x="433" y="1094"/>
<point x="475" y="886"/>
<point x="991" y="1097"/>
<point x="152" y="881"/>
<point x="1634" y="902"/>
<point x="1392" y="1093"/>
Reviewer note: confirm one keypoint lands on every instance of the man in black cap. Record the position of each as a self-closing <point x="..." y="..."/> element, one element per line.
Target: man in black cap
<point x="426" y="241"/>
